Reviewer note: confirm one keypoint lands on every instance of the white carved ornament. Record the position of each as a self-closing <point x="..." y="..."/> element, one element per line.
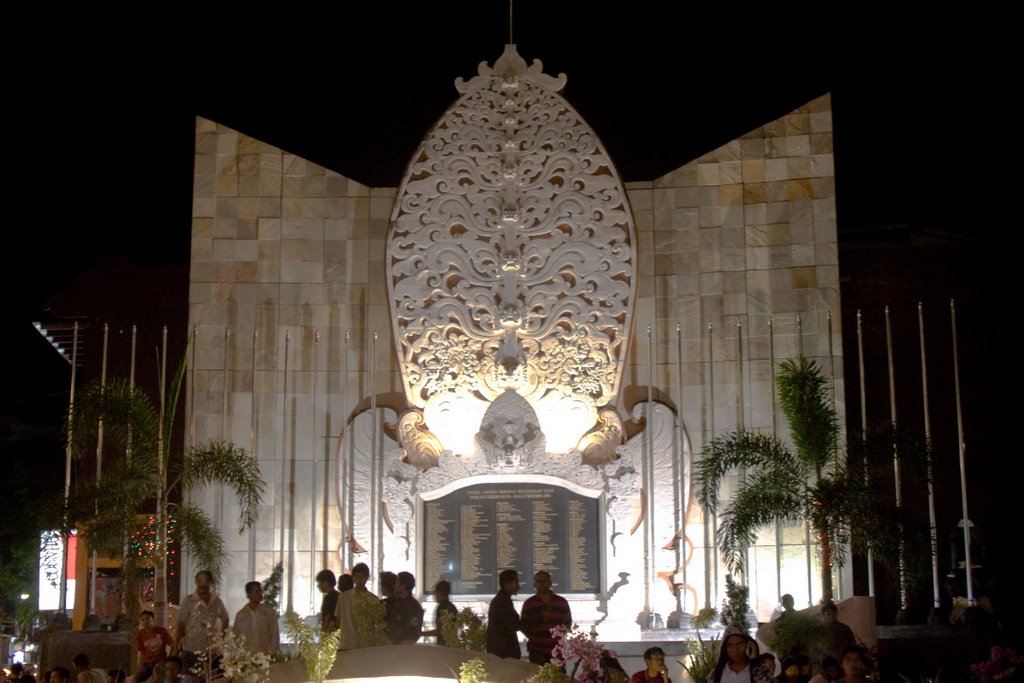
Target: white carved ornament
<point x="511" y="261"/>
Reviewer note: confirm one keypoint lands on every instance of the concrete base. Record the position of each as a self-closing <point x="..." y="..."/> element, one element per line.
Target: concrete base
<point x="419" y="661"/>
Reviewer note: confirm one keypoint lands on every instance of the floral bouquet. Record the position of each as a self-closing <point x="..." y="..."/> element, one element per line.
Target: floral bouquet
<point x="583" y="651"/>
<point x="230" y="656"/>
<point x="1002" y="666"/>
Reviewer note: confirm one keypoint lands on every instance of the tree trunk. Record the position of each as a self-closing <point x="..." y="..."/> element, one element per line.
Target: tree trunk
<point x="825" y="543"/>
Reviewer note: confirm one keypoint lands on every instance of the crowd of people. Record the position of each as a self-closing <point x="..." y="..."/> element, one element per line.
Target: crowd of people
<point x="165" y="658"/>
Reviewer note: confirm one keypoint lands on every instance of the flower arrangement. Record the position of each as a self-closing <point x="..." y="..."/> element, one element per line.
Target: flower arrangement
<point x="582" y="650"/>
<point x="1002" y="666"/>
<point x="464" y="631"/>
<point x="229" y="655"/>
<point x="317" y="649"/>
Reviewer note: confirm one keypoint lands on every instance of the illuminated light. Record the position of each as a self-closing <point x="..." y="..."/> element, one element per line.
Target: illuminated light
<point x="454" y="420"/>
<point x="564" y="419"/>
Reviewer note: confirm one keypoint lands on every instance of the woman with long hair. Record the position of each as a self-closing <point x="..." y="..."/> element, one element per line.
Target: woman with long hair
<point x="738" y="659"/>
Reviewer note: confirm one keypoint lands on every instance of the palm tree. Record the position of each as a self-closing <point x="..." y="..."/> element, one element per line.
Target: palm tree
<point x="145" y="468"/>
<point x="809" y="482"/>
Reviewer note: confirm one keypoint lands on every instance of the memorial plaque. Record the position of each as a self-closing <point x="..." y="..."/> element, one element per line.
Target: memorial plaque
<point x="471" y="535"/>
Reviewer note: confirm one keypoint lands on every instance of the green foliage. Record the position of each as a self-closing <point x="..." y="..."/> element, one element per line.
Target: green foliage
<point x="813" y="482"/>
<point x="705" y="617"/>
<point x="796" y="629"/>
<point x="736" y="605"/>
<point x="317" y="649"/>
<point x="464" y="631"/>
<point x="272" y="586"/>
<point x="140" y="466"/>
<point x="549" y="673"/>
<point x="369" y="616"/>
<point x="472" y="671"/>
<point x="700" y="662"/>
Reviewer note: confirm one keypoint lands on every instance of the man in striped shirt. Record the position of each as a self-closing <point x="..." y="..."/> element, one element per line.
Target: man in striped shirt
<point x="541" y="613"/>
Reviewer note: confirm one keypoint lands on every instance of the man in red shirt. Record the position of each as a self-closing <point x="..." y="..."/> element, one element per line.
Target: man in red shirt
<point x="151" y="642"/>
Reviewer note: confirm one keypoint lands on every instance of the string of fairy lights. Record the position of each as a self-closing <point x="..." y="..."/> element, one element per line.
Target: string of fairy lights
<point x="144" y="543"/>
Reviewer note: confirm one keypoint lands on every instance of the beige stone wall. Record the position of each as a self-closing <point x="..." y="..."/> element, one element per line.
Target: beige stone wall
<point x="294" y="252"/>
<point x="743" y="235"/>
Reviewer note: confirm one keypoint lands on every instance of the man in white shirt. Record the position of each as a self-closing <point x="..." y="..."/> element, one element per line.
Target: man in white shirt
<point x="200" y="612"/>
<point x="351" y="638"/>
<point x="257" y="622"/>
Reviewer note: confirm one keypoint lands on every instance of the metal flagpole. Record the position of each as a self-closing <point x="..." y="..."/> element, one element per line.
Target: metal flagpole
<point x="62" y="606"/>
<point x="99" y="465"/>
<point x="284" y="462"/>
<point x="681" y="559"/>
<point x="377" y="473"/>
<point x="963" y="463"/>
<point x="219" y="493"/>
<point x="707" y="513"/>
<point x="313" y="472"/>
<point x="832" y="400"/>
<point x="344" y="457"/>
<point x="864" y="431"/>
<point x="649" y="482"/>
<point x="931" y="484"/>
<point x="254" y="426"/>
<point x="895" y="455"/>
<point x="775" y="422"/>
<point x="714" y="517"/>
<point x="160" y="587"/>
<point x="807" y="526"/>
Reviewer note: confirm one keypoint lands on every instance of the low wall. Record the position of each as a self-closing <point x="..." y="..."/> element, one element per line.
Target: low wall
<point x="106" y="650"/>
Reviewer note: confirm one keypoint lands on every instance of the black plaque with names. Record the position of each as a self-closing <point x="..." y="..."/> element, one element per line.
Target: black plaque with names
<point x="471" y="535"/>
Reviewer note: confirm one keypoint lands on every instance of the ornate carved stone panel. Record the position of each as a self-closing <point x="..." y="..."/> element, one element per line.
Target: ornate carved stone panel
<point x="511" y="263"/>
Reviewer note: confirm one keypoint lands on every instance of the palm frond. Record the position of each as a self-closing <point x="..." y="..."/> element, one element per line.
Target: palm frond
<point x="737" y="450"/>
<point x="871" y="451"/>
<point x="171" y="406"/>
<point x="760" y="501"/>
<point x="803" y="395"/>
<point x="200" y="537"/>
<point x="222" y="462"/>
<point x="130" y="424"/>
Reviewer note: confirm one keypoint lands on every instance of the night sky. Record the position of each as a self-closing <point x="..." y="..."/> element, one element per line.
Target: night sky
<point x="100" y="148"/>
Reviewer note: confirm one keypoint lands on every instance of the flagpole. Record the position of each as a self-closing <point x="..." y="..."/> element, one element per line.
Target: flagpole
<point x="62" y="607"/>
<point x="832" y="400"/>
<point x="863" y="432"/>
<point x="648" y="483"/>
<point x="343" y="469"/>
<point x="708" y="432"/>
<point x="254" y="426"/>
<point x="284" y="462"/>
<point x="963" y="463"/>
<point x="778" y="527"/>
<point x="99" y="467"/>
<point x="316" y="461"/>
<point x="932" y="531"/>
<point x="896" y="461"/>
<point x="681" y="558"/>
